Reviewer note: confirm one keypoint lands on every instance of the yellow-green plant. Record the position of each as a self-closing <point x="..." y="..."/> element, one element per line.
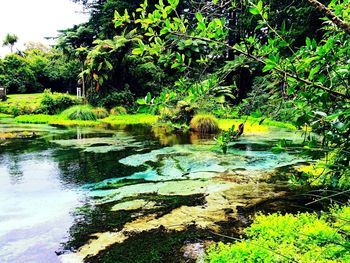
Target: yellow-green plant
<point x="100" y="112"/>
<point x="204" y="123"/>
<point x="118" y="110"/>
<point x="83" y="113"/>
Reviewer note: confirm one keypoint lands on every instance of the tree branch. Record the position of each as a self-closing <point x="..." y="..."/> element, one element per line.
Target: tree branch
<point x="329" y="14"/>
<point x="278" y="70"/>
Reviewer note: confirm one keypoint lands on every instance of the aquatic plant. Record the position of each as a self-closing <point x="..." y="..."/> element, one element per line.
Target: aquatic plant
<point x="118" y="110"/>
<point x="100" y="112"/>
<point x="204" y="123"/>
<point x="83" y="113"/>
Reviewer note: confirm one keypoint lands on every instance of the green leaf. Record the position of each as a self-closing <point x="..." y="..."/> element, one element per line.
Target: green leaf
<point x="268" y="67"/>
<point x="199" y="17"/>
<point x="254" y="10"/>
<point x="137" y="51"/>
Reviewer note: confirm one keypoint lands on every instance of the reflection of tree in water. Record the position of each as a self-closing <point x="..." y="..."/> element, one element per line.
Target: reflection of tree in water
<point x="12" y="164"/>
<point x="16" y="174"/>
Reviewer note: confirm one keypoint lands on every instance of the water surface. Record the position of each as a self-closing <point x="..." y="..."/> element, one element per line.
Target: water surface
<point x="64" y="185"/>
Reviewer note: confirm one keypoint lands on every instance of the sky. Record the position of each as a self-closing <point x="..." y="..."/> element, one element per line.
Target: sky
<point x="33" y="20"/>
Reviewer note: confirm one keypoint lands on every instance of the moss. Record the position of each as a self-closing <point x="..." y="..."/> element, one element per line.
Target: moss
<point x="152" y="246"/>
<point x="118" y="110"/>
<point x="204" y="123"/>
<point x="100" y="112"/>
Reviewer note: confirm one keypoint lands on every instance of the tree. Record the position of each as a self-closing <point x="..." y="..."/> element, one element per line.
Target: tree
<point x="312" y="78"/>
<point x="10" y="40"/>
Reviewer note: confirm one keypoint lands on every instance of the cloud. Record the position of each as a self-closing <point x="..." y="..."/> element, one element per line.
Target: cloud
<point x="36" y="19"/>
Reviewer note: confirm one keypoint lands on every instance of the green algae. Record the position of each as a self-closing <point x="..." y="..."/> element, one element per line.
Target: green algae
<point x="92" y="219"/>
<point x="156" y="245"/>
<point x="118" y="142"/>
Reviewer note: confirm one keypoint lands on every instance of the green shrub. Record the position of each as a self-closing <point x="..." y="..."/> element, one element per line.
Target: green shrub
<point x="119" y="110"/>
<point x="80" y="112"/>
<point x="100" y="112"/>
<point x="204" y="123"/>
<point x="286" y="238"/>
<point x="109" y="99"/>
<point x="55" y="103"/>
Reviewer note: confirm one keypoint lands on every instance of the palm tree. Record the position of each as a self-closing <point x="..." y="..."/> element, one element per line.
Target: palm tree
<point x="10" y="40"/>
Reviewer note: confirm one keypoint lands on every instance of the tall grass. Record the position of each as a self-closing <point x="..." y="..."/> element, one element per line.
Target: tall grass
<point x="83" y="113"/>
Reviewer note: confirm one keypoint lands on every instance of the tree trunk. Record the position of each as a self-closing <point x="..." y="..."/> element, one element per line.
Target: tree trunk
<point x="83" y="81"/>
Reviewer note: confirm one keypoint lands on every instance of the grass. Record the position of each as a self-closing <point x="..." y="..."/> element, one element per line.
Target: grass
<point x="21" y="103"/>
<point x="131" y="119"/>
<point x="204" y="123"/>
<point x="80" y="112"/>
<point x="63" y="120"/>
<point x="3" y="116"/>
<point x="252" y="124"/>
<point x="37" y="118"/>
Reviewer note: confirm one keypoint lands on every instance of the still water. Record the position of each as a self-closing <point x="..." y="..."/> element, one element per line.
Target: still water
<point x="67" y="184"/>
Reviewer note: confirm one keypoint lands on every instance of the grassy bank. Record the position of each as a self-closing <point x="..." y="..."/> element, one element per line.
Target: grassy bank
<point x="21" y="102"/>
<point x="126" y="119"/>
<point x="251" y="125"/>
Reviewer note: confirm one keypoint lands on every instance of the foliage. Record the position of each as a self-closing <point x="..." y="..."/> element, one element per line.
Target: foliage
<point x="204" y="123"/>
<point x="55" y="103"/>
<point x="289" y="238"/>
<point x="118" y="110"/>
<point x="110" y="99"/>
<point x="100" y="112"/>
<point x="10" y="40"/>
<point x="33" y="70"/>
<point x="17" y="76"/>
<point x="80" y="112"/>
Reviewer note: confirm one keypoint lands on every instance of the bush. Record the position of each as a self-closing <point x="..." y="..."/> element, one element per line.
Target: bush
<point x="55" y="103"/>
<point x="110" y="99"/>
<point x="100" y="112"/>
<point x="119" y="110"/>
<point x="204" y="123"/>
<point x="79" y="112"/>
<point x="288" y="238"/>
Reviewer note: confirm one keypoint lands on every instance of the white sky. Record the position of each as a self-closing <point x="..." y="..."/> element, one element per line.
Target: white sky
<point x="33" y="20"/>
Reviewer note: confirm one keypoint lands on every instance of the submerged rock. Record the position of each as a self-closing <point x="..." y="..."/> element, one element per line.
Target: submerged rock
<point x="134" y="205"/>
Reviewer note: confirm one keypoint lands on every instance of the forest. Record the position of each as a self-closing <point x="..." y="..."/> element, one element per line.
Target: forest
<point x="223" y="73"/>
